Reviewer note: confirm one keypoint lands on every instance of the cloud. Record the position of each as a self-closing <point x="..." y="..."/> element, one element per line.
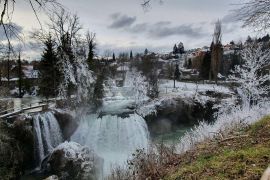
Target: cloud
<point x="160" y="29"/>
<point x="121" y="21"/>
<point x="13" y="31"/>
<point x="164" y="30"/>
<point x="139" y="28"/>
<point x="230" y="23"/>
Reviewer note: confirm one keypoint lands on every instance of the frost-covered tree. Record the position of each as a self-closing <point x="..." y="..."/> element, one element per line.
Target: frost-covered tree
<point x="253" y="75"/>
<point x="138" y="85"/>
<point x="75" y="76"/>
<point x="255" y="13"/>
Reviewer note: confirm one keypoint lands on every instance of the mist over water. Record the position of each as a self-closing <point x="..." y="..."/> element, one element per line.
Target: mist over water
<point x="113" y="138"/>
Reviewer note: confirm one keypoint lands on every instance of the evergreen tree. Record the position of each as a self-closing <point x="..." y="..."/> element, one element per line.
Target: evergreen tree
<point x="181" y="48"/>
<point x="91" y="50"/>
<point x="131" y="55"/>
<point x="249" y="40"/>
<point x="206" y="65"/>
<point x="146" y="51"/>
<point x="175" y="49"/>
<point x="113" y="56"/>
<point x="48" y="71"/>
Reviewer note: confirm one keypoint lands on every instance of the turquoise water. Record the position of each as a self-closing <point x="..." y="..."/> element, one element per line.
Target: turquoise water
<point x="171" y="137"/>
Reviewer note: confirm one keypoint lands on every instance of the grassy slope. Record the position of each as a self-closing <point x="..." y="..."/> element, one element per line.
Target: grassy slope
<point x="244" y="155"/>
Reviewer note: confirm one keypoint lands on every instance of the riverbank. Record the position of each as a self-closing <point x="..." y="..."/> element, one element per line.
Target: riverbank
<point x="245" y="154"/>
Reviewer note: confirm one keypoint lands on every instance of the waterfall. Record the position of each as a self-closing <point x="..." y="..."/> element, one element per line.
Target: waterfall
<point x="113" y="138"/>
<point x="47" y="135"/>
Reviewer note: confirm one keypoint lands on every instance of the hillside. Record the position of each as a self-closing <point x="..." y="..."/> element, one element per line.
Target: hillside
<point x="243" y="155"/>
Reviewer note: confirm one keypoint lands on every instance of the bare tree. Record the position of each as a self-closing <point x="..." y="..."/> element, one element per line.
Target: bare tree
<point x="91" y="43"/>
<point x="63" y="23"/>
<point x="7" y="10"/>
<point x="255" y="13"/>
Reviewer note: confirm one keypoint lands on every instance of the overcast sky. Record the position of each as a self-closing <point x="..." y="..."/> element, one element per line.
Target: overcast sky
<point x="123" y="25"/>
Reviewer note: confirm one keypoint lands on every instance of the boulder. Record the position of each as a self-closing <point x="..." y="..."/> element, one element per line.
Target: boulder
<point x="175" y="112"/>
<point x="67" y="123"/>
<point x="72" y="161"/>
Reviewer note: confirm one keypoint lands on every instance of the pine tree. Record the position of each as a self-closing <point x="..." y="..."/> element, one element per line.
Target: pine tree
<point x="48" y="71"/>
<point x="181" y="48"/>
<point x="91" y="50"/>
<point x="249" y="40"/>
<point x="113" y="57"/>
<point x="131" y="55"/>
<point x="146" y="52"/>
<point x="175" y="49"/>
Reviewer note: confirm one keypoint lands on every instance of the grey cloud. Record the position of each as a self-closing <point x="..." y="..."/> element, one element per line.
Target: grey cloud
<point x="163" y="23"/>
<point x="121" y="21"/>
<point x="159" y="29"/>
<point x="115" y="15"/>
<point x="139" y="28"/>
<point x="184" y="30"/>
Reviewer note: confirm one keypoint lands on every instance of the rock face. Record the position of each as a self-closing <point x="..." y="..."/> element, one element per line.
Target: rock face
<point x="176" y="112"/>
<point x="67" y="122"/>
<point x="72" y="161"/>
<point x="16" y="148"/>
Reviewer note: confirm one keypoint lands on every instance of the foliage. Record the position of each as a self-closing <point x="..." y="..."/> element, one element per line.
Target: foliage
<point x="205" y="67"/>
<point x="48" y="72"/>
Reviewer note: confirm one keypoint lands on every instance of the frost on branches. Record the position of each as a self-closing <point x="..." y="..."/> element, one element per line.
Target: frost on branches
<point x="137" y="81"/>
<point x="253" y="79"/>
<point x="253" y="75"/>
<point x="77" y="75"/>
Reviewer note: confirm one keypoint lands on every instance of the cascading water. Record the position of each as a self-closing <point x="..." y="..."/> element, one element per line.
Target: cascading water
<point x="47" y="135"/>
<point x="116" y="132"/>
<point x="113" y="138"/>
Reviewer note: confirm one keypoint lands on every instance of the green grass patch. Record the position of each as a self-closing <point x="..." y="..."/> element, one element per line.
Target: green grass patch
<point x="239" y="161"/>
